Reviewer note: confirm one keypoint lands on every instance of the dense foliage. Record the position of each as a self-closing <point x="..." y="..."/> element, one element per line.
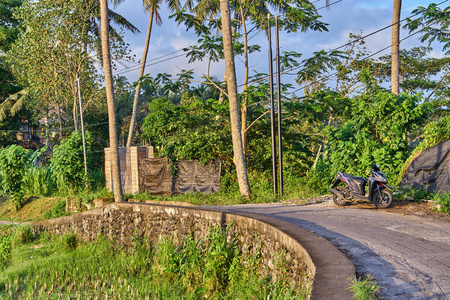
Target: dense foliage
<point x="67" y="162"/>
<point x="331" y="122"/>
<point x="13" y="165"/>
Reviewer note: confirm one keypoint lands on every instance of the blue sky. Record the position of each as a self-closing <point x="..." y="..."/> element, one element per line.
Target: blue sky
<point x="343" y="17"/>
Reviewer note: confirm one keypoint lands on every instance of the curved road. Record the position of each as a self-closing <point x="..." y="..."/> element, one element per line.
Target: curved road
<point x="409" y="256"/>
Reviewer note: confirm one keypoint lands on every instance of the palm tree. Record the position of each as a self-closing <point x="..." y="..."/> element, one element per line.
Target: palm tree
<point x="153" y="7"/>
<point x="395" y="65"/>
<point x="300" y="15"/>
<point x="230" y="74"/>
<point x="114" y="151"/>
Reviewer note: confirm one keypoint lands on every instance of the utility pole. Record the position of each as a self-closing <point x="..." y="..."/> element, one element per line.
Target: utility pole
<point x="280" y="144"/>
<point x="82" y="132"/>
<point x="272" y="113"/>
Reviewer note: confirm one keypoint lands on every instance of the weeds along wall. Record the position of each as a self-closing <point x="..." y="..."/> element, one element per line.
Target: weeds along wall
<point x="278" y="242"/>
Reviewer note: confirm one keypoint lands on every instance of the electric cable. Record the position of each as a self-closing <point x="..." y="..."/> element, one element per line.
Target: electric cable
<point x="335" y="49"/>
<point x="369" y="56"/>
<point x="40" y="130"/>
<point x="137" y="67"/>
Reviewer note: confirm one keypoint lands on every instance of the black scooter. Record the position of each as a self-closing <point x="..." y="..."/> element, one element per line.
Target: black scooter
<point x="347" y="188"/>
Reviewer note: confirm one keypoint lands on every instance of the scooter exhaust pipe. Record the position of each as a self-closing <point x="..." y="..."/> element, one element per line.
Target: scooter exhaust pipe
<point x="337" y="193"/>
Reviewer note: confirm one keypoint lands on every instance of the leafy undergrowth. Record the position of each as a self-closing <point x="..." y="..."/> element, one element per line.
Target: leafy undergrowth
<point x="62" y="267"/>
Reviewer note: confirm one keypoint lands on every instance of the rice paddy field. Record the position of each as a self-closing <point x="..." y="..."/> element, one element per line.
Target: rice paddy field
<point x="43" y="266"/>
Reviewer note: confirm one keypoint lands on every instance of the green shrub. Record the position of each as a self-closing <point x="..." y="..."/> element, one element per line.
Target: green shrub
<point x="56" y="211"/>
<point x="410" y="193"/>
<point x="39" y="181"/>
<point x="5" y="251"/>
<point x="443" y="199"/>
<point x="70" y="241"/>
<point x="67" y="162"/>
<point x="13" y="163"/>
<point x="24" y="235"/>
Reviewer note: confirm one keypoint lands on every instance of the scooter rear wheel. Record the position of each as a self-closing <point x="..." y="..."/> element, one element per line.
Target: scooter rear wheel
<point x="339" y="201"/>
<point x="385" y="200"/>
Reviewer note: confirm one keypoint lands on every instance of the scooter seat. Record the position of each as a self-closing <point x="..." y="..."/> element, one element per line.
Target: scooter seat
<point x="356" y="178"/>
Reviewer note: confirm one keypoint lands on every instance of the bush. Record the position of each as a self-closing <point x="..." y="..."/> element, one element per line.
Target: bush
<point x="67" y="162"/>
<point x="56" y="211"/>
<point x="39" y="181"/>
<point x="13" y="163"/>
<point x="5" y="251"/>
<point x="23" y="235"/>
<point x="443" y="199"/>
<point x="410" y="193"/>
<point x="70" y="241"/>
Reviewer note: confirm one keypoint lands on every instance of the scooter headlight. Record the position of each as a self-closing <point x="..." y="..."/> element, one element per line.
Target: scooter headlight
<point x="380" y="176"/>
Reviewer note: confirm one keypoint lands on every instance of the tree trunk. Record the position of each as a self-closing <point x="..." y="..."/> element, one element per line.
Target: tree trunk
<point x="75" y="113"/>
<point x="238" y="151"/>
<point x="58" y="108"/>
<point x="395" y="65"/>
<point x="114" y="152"/>
<point x="141" y="73"/>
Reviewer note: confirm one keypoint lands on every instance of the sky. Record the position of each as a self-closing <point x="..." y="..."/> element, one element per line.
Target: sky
<point x="343" y="17"/>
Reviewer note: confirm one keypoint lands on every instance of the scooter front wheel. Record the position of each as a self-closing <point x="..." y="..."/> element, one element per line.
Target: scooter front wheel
<point x="383" y="199"/>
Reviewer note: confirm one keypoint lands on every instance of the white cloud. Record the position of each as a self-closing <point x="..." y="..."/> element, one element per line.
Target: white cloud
<point x="343" y="17"/>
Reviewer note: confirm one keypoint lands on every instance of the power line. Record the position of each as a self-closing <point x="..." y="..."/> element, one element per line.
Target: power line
<point x="64" y="128"/>
<point x="369" y="56"/>
<point x="148" y="65"/>
<point x="137" y="67"/>
<point x="335" y="49"/>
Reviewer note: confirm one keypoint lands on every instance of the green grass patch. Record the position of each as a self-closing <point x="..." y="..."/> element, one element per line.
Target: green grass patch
<point x="261" y="187"/>
<point x="412" y="194"/>
<point x="365" y="288"/>
<point x="55" y="267"/>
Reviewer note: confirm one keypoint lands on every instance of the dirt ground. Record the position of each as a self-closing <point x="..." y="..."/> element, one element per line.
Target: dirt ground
<point x="422" y="208"/>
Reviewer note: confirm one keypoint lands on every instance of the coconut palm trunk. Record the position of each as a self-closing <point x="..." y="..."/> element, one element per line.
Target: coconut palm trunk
<point x="238" y="150"/>
<point x="114" y="152"/>
<point x="141" y="73"/>
<point x="395" y="49"/>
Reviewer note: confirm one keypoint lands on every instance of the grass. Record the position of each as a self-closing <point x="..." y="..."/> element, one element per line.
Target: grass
<point x="365" y="288"/>
<point x="262" y="192"/>
<point x="36" y="208"/>
<point x="56" y="267"/>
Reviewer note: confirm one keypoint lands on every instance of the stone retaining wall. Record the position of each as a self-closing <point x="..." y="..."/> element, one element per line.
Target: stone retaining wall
<point x="121" y="221"/>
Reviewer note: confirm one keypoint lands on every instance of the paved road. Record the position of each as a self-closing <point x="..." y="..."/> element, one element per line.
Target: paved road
<point x="408" y="256"/>
<point x="9" y="223"/>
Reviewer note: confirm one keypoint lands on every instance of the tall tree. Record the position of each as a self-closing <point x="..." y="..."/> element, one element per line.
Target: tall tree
<point x="153" y="7"/>
<point x="395" y="66"/>
<point x="230" y="74"/>
<point x="8" y="34"/>
<point x="297" y="15"/>
<point x="114" y="150"/>
<point x="57" y="46"/>
<point x="9" y="86"/>
<point x="433" y="23"/>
